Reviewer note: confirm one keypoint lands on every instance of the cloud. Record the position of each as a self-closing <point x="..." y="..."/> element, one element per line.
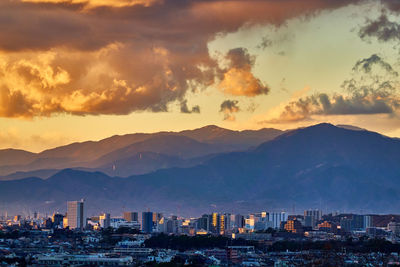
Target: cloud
<point x="97" y="57"/>
<point x="89" y="4"/>
<point x="228" y="107"/>
<point x="238" y="79"/>
<point x="370" y="93"/>
<point x="367" y="64"/>
<point x="382" y="29"/>
<point x="323" y="104"/>
<point x="265" y="42"/>
<point x="185" y="108"/>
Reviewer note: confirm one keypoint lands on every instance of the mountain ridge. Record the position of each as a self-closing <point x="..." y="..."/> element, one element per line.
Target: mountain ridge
<point x="85" y="154"/>
<point x="321" y="165"/>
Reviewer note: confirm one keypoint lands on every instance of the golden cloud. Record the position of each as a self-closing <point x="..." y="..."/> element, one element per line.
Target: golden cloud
<point x="116" y="57"/>
<point x="98" y="3"/>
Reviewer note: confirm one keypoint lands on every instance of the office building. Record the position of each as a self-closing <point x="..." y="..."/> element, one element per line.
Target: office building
<point x="214" y="223"/>
<point x="222" y="224"/>
<point x="367" y="222"/>
<point x="312" y="217"/>
<point x="105" y="220"/>
<point x="131" y="216"/>
<point x="239" y="221"/>
<point x="157" y="217"/>
<point x="147" y="222"/>
<point x="172" y="225"/>
<point x="294" y="226"/>
<point x="277" y="218"/>
<point x="203" y="223"/>
<point x="57" y="219"/>
<point x="76" y="214"/>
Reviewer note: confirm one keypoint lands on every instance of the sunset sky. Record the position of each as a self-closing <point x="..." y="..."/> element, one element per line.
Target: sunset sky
<point x="76" y="70"/>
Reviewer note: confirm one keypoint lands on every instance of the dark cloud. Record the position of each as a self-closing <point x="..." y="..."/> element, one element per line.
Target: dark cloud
<point x="185" y="108"/>
<point x="366" y="65"/>
<point x="382" y="29"/>
<point x="228" y="108"/>
<point x="240" y="58"/>
<point x="393" y="5"/>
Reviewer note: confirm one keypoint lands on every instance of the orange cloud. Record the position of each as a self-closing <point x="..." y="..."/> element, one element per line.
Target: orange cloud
<point x="98" y="3"/>
<point x="116" y="57"/>
<point x="238" y="79"/>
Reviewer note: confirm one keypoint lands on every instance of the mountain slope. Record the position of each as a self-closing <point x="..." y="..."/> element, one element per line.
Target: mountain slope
<point x="90" y="154"/>
<point x="322" y="166"/>
<point x="15" y="156"/>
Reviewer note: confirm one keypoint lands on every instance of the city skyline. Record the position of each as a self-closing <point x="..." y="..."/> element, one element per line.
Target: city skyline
<point x="105" y="68"/>
<point x="199" y="133"/>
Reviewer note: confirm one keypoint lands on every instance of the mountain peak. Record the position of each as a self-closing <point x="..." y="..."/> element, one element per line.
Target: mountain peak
<point x="212" y="127"/>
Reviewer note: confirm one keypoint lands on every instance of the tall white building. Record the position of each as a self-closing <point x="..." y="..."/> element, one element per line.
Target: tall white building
<point x="277" y="217"/>
<point x="311" y="217"/>
<point x="367" y="222"/>
<point x="76" y="214"/>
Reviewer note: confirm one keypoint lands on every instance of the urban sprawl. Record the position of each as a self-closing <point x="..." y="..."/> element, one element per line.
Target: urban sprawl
<point x="217" y="239"/>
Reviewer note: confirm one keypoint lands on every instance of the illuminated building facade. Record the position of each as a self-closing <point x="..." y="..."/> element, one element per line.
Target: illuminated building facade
<point x="76" y="214"/>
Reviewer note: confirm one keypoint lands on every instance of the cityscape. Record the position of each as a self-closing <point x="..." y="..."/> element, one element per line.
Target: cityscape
<point x="200" y="133"/>
<point x="152" y="239"/>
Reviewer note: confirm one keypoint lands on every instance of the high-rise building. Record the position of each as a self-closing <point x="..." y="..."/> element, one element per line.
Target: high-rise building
<point x="57" y="219"/>
<point x="228" y="222"/>
<point x="17" y="218"/>
<point x="367" y="222"/>
<point x="355" y="222"/>
<point x="222" y="224"/>
<point x="250" y="222"/>
<point x="105" y="220"/>
<point x="358" y="222"/>
<point x="131" y="216"/>
<point x="76" y="214"/>
<point x="277" y="218"/>
<point x="312" y="217"/>
<point x="156" y="217"/>
<point x="317" y="214"/>
<point x="65" y="222"/>
<point x="172" y="225"/>
<point x="147" y="221"/>
<point x="239" y="221"/>
<point x="203" y="223"/>
<point x="294" y="226"/>
<point x="346" y="224"/>
<point x="214" y="223"/>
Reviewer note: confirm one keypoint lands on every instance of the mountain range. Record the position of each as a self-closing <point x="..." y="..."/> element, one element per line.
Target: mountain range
<point x="133" y="153"/>
<point x="322" y="166"/>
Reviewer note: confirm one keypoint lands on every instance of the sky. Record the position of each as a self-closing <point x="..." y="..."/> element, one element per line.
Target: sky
<point x="77" y="70"/>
